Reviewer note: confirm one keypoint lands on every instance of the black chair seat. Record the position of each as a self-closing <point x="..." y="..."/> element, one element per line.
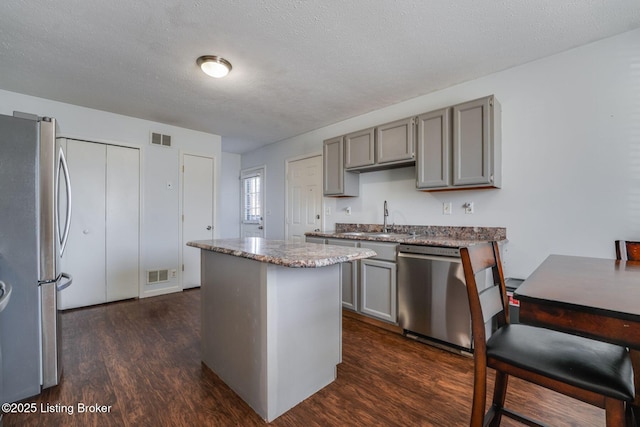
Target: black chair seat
<point x="592" y="365"/>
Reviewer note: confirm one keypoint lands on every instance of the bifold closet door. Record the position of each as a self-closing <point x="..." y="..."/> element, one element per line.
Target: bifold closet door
<point x="86" y="248"/>
<point x="122" y="222"/>
<point x="103" y="250"/>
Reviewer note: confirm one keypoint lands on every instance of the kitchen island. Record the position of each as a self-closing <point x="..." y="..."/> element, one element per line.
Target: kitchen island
<point x="271" y="317"/>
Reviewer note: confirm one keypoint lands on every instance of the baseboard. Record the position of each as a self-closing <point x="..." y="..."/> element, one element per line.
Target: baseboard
<point x="371" y="321"/>
<point x="161" y="291"/>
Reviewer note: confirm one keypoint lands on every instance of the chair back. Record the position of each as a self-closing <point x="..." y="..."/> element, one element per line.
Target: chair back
<point x="626" y="249"/>
<point x="491" y="301"/>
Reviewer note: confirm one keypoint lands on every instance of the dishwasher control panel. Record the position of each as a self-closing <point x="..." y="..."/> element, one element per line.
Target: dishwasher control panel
<point x="430" y="250"/>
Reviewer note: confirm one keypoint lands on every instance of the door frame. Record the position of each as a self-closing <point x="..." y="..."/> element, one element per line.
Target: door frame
<point x="248" y="171"/>
<point x="179" y="284"/>
<point x="287" y="166"/>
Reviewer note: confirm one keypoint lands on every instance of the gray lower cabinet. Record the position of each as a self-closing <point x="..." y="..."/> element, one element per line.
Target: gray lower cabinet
<point x="348" y="276"/>
<point x="336" y="180"/>
<point x="378" y="282"/>
<point x="378" y="289"/>
<point x="369" y="285"/>
<point x="320" y="240"/>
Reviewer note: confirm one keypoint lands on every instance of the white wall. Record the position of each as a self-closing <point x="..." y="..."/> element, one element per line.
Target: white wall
<point x="229" y="208"/>
<point x="571" y="158"/>
<point x="161" y="206"/>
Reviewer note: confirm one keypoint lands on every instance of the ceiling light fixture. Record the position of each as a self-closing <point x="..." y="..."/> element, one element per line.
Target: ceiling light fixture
<point x="214" y="65"/>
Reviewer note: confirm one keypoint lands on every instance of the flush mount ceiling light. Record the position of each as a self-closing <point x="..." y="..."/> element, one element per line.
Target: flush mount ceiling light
<point x="214" y="65"/>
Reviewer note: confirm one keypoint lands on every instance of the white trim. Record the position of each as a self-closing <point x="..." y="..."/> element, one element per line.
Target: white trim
<point x="161" y="291"/>
<point x="102" y="141"/>
<point x="181" y="154"/>
<point x="287" y="163"/>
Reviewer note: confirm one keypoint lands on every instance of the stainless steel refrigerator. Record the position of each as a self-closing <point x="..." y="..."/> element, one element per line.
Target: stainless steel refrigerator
<point x="35" y="214"/>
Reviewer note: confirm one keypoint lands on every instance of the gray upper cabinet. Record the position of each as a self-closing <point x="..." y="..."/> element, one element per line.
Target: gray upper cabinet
<point x="476" y="143"/>
<point x="452" y="148"/>
<point x="434" y="149"/>
<point x="460" y="146"/>
<point x="359" y="149"/>
<point x="337" y="181"/>
<point x="395" y="141"/>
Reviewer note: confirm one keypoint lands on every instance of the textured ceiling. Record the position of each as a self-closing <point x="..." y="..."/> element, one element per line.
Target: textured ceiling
<point x="297" y="64"/>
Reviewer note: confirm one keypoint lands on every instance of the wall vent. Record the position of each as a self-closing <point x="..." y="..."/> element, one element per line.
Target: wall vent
<point x="160" y="139"/>
<point x="157" y="276"/>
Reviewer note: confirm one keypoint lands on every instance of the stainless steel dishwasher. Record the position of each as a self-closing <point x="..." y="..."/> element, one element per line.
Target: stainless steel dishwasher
<point x="432" y="297"/>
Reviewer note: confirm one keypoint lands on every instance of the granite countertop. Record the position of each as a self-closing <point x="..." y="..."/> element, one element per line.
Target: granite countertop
<point x="425" y="235"/>
<point x="284" y="253"/>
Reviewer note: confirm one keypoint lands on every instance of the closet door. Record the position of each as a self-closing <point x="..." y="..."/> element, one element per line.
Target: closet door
<point x="122" y="222"/>
<point x="85" y="253"/>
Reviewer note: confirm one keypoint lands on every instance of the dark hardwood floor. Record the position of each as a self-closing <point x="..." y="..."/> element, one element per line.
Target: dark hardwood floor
<point x="142" y="358"/>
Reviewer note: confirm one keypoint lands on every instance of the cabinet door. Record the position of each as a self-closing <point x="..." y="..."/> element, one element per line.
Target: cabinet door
<point x="378" y="289"/>
<point x="434" y="149"/>
<point x="349" y="281"/>
<point x="320" y="240"/>
<point x="122" y="222"/>
<point x="359" y="149"/>
<point x="472" y="142"/>
<point x="395" y="141"/>
<point x="84" y="257"/>
<point x="348" y="276"/>
<point x="336" y="181"/>
<point x="333" y="164"/>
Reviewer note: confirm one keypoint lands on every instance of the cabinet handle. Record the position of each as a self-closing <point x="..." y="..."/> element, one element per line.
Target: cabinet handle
<point x="208" y="227"/>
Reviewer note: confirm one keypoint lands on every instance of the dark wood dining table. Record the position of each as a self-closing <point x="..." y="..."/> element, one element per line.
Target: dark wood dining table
<point x="593" y="297"/>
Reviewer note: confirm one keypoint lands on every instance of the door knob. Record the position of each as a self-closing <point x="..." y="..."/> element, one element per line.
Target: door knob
<point x="260" y="227"/>
<point x="208" y="227"/>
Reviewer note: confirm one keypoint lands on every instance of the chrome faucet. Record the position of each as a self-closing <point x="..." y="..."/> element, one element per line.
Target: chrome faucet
<point x="386" y="214"/>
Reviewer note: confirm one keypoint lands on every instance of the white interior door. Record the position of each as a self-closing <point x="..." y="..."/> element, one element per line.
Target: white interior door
<point x="122" y="222"/>
<point x="304" y="197"/>
<point x="197" y="213"/>
<point x="84" y="257"/>
<point x="253" y="202"/>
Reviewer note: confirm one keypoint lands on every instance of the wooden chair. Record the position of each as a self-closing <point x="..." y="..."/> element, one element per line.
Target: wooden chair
<point x="592" y="371"/>
<point x="629" y="250"/>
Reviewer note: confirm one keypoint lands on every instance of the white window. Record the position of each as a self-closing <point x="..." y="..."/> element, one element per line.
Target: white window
<point x="252" y="198"/>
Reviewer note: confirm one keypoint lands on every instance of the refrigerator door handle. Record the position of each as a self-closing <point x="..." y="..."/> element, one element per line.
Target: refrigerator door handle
<point x="5" y="295"/>
<point x="65" y="235"/>
<point x="66" y="284"/>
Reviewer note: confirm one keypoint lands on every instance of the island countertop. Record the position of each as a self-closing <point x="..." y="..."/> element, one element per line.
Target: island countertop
<point x="284" y="253"/>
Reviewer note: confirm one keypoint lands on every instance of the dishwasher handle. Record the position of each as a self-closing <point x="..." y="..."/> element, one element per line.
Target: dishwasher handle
<point x="429" y="257"/>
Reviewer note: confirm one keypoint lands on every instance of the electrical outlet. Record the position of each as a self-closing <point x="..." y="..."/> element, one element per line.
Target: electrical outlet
<point x="446" y="208"/>
<point x="327" y="211"/>
<point x="468" y="208"/>
<point x="173" y="273"/>
<point x="348" y="210"/>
